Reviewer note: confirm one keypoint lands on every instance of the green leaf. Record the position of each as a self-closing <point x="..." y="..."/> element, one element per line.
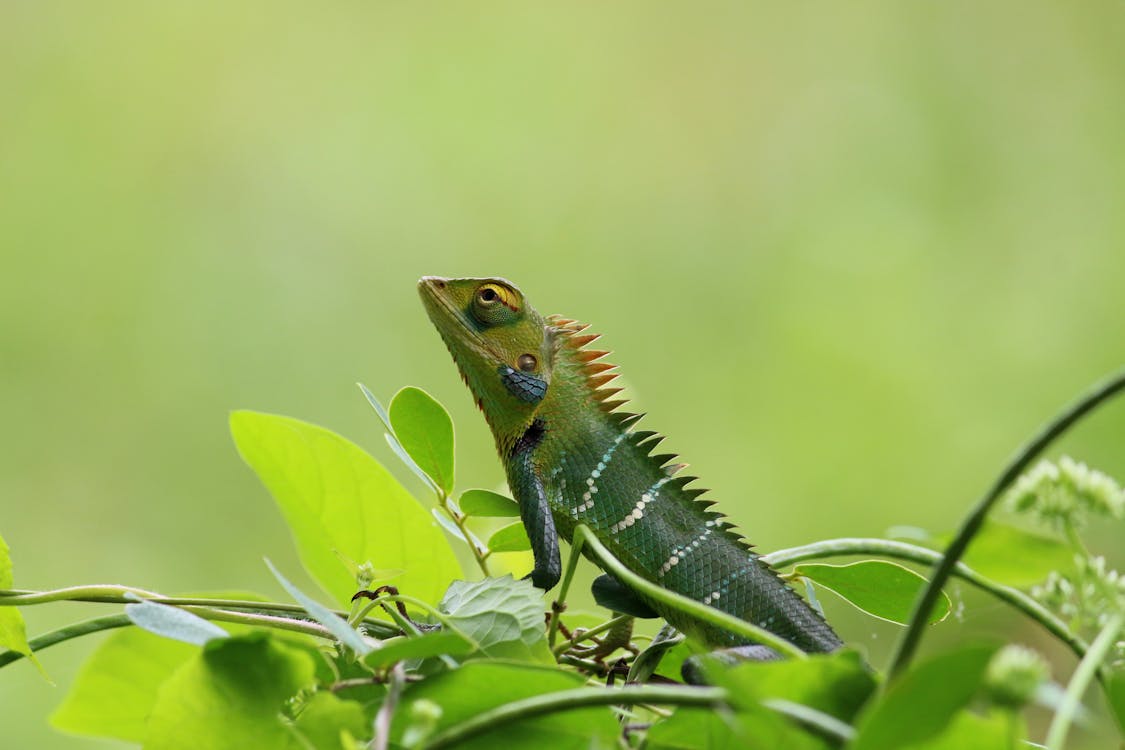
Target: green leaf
<point x="503" y="615"/>
<point x="115" y="689"/>
<point x="174" y="623"/>
<point x="1013" y="556"/>
<point x="420" y="647"/>
<point x="881" y="589"/>
<point x="326" y="718"/>
<point x="335" y="624"/>
<point x="967" y="731"/>
<point x="338" y="500"/>
<point x="486" y="503"/>
<point x="13" y="632"/>
<point x="511" y="538"/>
<point x="480" y="685"/>
<point x="425" y="431"/>
<point x="230" y="695"/>
<point x="754" y="727"/>
<point x="921" y="704"/>
<point x="836" y="684"/>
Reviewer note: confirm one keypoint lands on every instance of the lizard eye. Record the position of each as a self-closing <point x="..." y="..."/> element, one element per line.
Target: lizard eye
<point x="527" y="362"/>
<point x="495" y="304"/>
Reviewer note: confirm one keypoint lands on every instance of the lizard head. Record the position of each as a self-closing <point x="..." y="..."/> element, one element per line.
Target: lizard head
<point x="502" y="346"/>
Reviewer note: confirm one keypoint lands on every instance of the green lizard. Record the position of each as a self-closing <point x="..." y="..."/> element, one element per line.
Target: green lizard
<point x="572" y="457"/>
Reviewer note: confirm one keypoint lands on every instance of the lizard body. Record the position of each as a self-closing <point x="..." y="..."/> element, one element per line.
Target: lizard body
<point x="572" y="456"/>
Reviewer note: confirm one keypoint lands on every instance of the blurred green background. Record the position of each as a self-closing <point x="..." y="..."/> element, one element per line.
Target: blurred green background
<point x="848" y="258"/>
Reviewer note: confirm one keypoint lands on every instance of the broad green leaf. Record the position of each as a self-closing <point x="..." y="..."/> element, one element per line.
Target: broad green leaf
<point x="425" y="431"/>
<point x="836" y="684"/>
<point x="881" y="589"/>
<point x="921" y="703"/>
<point x="116" y="687"/>
<point x="338" y="500"/>
<point x="1013" y="556"/>
<point x="511" y="538"/>
<point x="503" y="615"/>
<point x="481" y="685"/>
<point x="13" y="632"/>
<point x="174" y="623"/>
<point x="695" y="729"/>
<point x="421" y="647"/>
<point x="335" y="624"/>
<point x="967" y="731"/>
<point x="230" y="695"/>
<point x="751" y="728"/>
<point x="326" y="718"/>
<point x="486" y="503"/>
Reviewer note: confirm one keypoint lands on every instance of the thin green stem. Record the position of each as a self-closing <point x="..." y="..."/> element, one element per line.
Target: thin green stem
<point x="108" y="622"/>
<point x="103" y="594"/>
<point x="912" y="553"/>
<point x="1080" y="681"/>
<point x="577" y="698"/>
<point x="459" y="519"/>
<point x="908" y="644"/>
<point x="66" y="633"/>
<point x="698" y="610"/>
<point x="587" y="634"/>
<point x="564" y="588"/>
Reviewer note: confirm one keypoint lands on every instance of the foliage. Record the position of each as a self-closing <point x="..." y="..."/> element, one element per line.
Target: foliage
<point x="433" y="662"/>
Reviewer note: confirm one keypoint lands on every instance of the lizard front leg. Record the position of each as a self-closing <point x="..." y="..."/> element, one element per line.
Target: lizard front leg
<point x="535" y="513"/>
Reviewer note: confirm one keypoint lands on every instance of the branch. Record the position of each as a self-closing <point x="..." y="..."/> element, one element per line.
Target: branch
<point x="913" y="553"/>
<point x="908" y="644"/>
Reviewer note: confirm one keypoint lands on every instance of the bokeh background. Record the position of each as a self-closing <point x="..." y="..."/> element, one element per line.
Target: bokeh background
<point x="848" y="258"/>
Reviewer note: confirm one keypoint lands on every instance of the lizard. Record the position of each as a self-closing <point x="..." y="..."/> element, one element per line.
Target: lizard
<point x="572" y="456"/>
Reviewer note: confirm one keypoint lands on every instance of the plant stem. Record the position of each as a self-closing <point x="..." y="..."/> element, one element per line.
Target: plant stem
<point x="903" y="551"/>
<point x="108" y="622"/>
<point x="1083" y="676"/>
<point x="105" y="594"/>
<point x="564" y="588"/>
<point x="908" y="644"/>
<point x="66" y="633"/>
<point x="708" y="614"/>
<point x="587" y="634"/>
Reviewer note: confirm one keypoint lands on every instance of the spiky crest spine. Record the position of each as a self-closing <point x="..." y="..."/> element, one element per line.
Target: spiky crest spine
<point x="572" y="334"/>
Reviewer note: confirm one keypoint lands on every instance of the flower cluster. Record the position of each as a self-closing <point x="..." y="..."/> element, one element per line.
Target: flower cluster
<point x="1088" y="599"/>
<point x="1066" y="493"/>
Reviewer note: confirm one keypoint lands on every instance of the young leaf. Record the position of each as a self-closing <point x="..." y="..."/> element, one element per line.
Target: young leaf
<point x="503" y="615"/>
<point x="174" y="623"/>
<point x="338" y="500"/>
<point x="13" y="633"/>
<point x="480" y="685"/>
<point x="511" y="538"/>
<point x="486" y="503"/>
<point x="230" y="695"/>
<point x="424" y="429"/>
<point x="336" y="625"/>
<point x="881" y="589"/>
<point x="921" y="703"/>
<point x="421" y="647"/>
